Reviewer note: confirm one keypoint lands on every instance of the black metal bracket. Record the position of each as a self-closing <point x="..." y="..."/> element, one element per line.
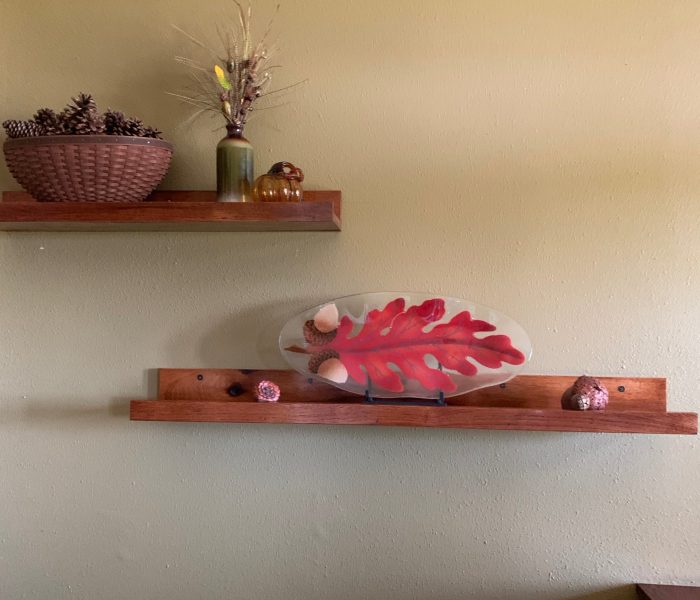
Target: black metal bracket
<point x="440" y="401"/>
<point x="369" y="399"/>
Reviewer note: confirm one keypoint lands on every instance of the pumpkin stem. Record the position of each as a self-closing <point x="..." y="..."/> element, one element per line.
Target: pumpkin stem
<point x="292" y="173"/>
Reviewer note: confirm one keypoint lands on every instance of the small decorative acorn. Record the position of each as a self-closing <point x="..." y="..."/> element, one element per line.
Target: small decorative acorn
<point x="267" y="391"/>
<point x="587" y="393"/>
<point x="319" y="331"/>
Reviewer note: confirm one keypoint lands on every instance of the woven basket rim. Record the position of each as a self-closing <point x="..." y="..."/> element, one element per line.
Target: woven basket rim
<point x="116" y="140"/>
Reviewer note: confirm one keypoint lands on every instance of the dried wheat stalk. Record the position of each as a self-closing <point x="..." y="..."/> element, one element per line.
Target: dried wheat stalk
<point x="241" y="74"/>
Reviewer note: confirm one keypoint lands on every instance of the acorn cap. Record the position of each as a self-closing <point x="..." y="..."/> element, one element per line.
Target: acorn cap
<point x="315" y="337"/>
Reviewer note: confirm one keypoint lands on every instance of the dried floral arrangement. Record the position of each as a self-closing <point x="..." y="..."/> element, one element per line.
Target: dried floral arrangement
<point x="240" y="76"/>
<point x="80" y="117"/>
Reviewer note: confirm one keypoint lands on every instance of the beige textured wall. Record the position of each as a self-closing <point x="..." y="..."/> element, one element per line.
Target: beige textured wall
<point x="538" y="156"/>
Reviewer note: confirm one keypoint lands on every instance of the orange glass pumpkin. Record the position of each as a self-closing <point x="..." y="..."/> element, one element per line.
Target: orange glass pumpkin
<point x="282" y="183"/>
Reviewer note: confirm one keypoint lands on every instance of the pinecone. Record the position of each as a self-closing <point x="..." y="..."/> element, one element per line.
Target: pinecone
<point x="49" y="122"/>
<point x="21" y="129"/>
<point x="84" y="102"/>
<point x="117" y="124"/>
<point x="315" y="337"/>
<point x="319" y="358"/>
<point x="134" y="127"/>
<point x="114" y="122"/>
<point x="88" y="125"/>
<point x="81" y="117"/>
<point x="152" y="132"/>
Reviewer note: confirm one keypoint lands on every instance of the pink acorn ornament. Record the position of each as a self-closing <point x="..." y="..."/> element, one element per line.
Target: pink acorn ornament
<point x="587" y="393"/>
<point x="266" y="391"/>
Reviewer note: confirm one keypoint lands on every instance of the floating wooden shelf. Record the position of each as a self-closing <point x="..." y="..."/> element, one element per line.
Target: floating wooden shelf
<point x="646" y="591"/>
<point x="528" y="402"/>
<point x="172" y="211"/>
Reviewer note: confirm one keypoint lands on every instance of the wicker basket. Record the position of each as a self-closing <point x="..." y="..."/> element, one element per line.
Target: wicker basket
<point x="88" y="168"/>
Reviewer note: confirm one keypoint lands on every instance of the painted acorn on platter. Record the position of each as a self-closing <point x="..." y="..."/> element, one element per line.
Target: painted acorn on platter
<point x="319" y="331"/>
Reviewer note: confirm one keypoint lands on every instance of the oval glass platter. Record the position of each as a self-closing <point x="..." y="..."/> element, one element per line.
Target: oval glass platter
<point x="405" y="345"/>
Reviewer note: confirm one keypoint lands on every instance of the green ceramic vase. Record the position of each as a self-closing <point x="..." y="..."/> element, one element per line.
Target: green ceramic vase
<point x="234" y="168"/>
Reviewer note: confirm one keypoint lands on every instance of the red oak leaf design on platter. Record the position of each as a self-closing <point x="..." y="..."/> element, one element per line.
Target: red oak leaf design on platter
<point x="395" y="340"/>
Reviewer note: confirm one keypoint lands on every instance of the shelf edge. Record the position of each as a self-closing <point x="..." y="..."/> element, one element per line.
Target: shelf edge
<point x="172" y="211"/>
<point x="451" y="417"/>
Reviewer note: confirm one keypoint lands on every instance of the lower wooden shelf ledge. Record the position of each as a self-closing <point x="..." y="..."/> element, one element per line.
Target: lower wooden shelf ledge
<point x="454" y="417"/>
<point x="527" y="403"/>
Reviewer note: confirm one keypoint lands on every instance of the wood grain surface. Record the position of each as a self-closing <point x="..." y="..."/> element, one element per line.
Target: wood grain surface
<point x="528" y="402"/>
<point x="172" y="211"/>
<point x="647" y="591"/>
<point x="452" y="417"/>
<point x="525" y="391"/>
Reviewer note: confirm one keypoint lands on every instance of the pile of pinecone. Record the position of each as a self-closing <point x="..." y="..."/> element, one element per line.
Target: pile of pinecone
<point x="80" y="117"/>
